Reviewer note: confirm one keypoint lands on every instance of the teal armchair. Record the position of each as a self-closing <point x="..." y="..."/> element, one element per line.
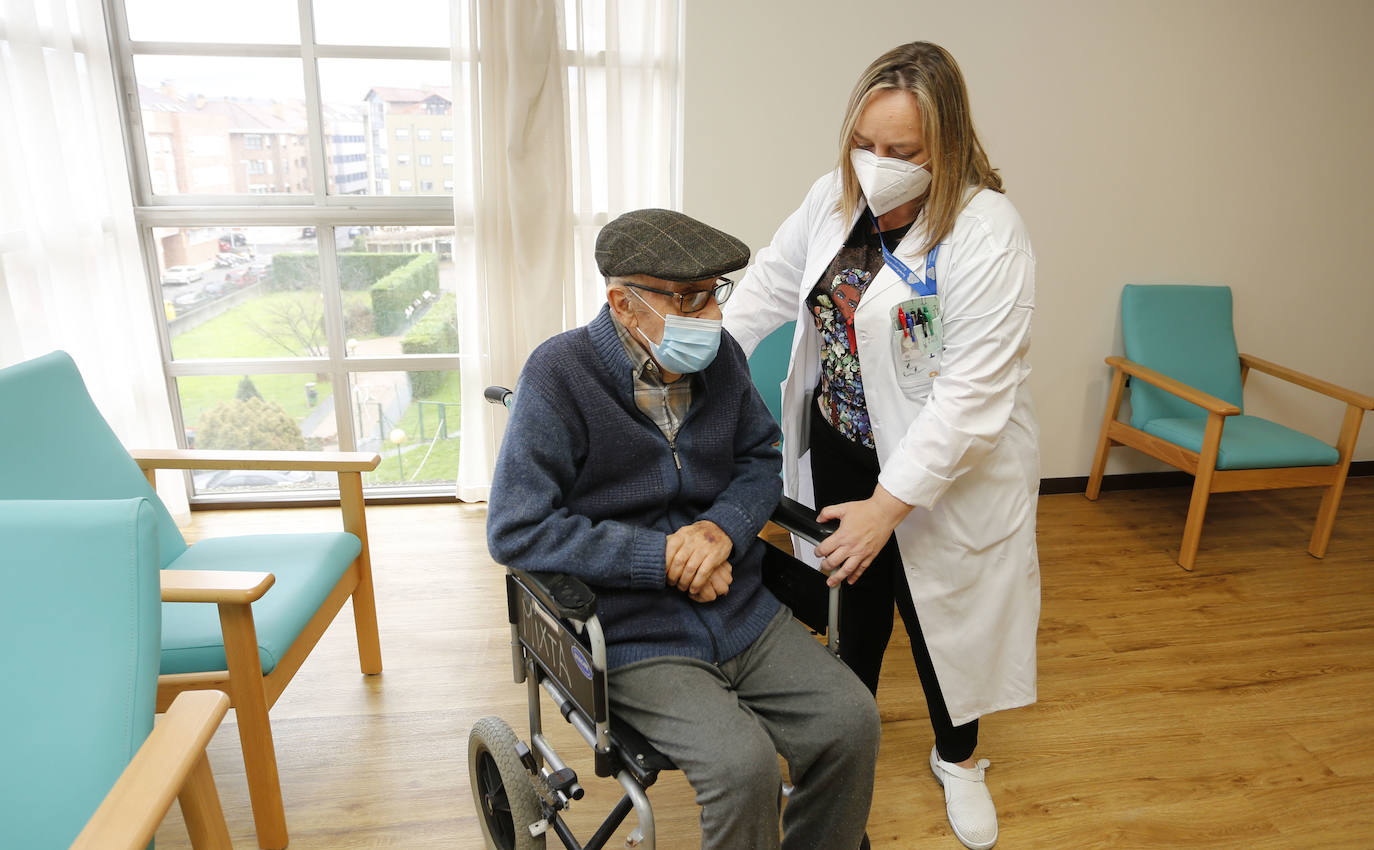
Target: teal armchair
<point x="80" y="620"/>
<point x="768" y="366"/>
<point x="239" y="614"/>
<point x="1186" y="380"/>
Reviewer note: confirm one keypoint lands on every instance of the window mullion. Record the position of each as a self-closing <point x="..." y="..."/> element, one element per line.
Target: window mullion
<point x="313" y="107"/>
<point x="334" y="334"/>
<point x="126" y="89"/>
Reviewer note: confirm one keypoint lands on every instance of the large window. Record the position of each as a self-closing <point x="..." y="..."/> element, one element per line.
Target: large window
<point x="303" y="177"/>
<point x="297" y="246"/>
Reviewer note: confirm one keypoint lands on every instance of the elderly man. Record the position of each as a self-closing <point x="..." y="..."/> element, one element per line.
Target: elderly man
<point x="640" y="458"/>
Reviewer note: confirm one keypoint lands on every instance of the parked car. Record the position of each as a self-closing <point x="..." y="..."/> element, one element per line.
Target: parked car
<point x="190" y="300"/>
<point x="307" y="233"/>
<point x="216" y="288"/>
<point x="358" y="231"/>
<point x="254" y="478"/>
<point x="181" y="275"/>
<point x="263" y="270"/>
<point x="241" y="277"/>
<point x="230" y="241"/>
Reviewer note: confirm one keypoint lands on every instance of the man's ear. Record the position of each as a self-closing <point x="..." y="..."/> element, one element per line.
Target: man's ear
<point x="618" y="297"/>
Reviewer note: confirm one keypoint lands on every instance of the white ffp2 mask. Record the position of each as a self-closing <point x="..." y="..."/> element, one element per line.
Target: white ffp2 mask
<point x="888" y="183"/>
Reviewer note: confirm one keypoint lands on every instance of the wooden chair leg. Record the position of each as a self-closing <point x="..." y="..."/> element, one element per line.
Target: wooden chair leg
<point x="1104" y="443"/>
<point x="201" y="810"/>
<point x="1202" y="489"/>
<point x="249" y="693"/>
<point x="1331" y="499"/>
<point x="364" y="600"/>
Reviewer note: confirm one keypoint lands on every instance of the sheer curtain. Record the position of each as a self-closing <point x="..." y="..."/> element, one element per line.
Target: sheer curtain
<point x="575" y="117"/>
<point x="70" y="273"/>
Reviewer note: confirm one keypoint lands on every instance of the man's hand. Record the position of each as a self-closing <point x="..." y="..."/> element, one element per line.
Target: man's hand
<point x="694" y="554"/>
<point x="717" y="585"/>
<point x="864" y="529"/>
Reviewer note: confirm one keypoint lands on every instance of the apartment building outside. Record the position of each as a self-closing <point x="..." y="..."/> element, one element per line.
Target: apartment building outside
<point x="410" y="140"/>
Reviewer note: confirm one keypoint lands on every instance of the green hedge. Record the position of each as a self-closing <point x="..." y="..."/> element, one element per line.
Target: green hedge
<point x="295" y="270"/>
<point x="394" y="293"/>
<point x="361" y="270"/>
<point x="436" y="333"/>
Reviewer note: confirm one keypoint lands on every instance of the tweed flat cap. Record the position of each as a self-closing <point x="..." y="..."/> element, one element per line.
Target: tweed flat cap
<point x="667" y="245"/>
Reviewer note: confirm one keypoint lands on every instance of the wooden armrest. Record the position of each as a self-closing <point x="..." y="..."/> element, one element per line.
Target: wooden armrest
<point x="131" y="812"/>
<point x="1209" y="402"/>
<point x="214" y="459"/>
<point x="1315" y="384"/>
<point x="214" y="586"/>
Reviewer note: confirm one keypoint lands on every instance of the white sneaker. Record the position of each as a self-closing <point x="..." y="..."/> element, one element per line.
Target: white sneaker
<point x="967" y="802"/>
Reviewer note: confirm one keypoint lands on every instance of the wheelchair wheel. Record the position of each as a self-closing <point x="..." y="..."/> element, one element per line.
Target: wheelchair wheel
<point x="502" y="788"/>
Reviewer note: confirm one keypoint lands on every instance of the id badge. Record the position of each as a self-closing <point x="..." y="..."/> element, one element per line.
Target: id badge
<point x="918" y="340"/>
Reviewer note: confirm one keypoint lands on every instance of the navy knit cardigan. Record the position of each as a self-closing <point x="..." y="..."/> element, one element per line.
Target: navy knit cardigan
<point x="586" y="484"/>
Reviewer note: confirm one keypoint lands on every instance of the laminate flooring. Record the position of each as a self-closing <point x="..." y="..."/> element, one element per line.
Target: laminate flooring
<point x="1230" y="707"/>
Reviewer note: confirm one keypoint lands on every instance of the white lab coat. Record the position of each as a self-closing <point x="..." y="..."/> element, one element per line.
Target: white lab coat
<point x="962" y="447"/>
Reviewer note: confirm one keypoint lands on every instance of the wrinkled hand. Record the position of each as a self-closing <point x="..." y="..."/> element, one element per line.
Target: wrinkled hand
<point x="695" y="554"/>
<point x="865" y="527"/>
<point x="717" y="585"/>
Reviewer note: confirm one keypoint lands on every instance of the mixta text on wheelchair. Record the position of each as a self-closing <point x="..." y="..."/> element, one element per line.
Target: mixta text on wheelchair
<point x="521" y="789"/>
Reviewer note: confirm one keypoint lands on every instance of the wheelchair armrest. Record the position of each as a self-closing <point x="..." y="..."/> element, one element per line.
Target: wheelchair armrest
<point x="801" y="521"/>
<point x="565" y="595"/>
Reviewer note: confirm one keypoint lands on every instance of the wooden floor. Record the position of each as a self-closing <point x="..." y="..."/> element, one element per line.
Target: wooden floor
<point x="1232" y="707"/>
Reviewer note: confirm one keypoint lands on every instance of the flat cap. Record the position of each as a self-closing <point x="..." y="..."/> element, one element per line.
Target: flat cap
<point x="667" y="245"/>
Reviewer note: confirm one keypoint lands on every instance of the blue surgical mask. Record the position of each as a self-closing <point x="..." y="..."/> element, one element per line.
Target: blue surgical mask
<point x="689" y="343"/>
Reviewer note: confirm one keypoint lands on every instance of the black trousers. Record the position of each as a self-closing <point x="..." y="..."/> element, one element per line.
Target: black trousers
<point x="845" y="471"/>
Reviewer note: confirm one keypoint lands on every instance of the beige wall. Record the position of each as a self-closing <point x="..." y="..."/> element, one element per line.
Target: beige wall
<point x="1149" y="141"/>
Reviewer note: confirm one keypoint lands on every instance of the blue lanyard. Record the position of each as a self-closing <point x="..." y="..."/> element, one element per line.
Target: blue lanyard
<point x="922" y="286"/>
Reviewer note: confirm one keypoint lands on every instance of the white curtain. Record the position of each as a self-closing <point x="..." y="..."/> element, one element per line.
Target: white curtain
<point x="574" y="118"/>
<point x="70" y="273"/>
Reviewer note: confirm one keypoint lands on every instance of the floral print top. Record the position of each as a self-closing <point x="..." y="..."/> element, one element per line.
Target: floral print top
<point x="833" y="300"/>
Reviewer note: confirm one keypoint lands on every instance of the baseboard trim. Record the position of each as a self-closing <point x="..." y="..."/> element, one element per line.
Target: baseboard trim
<point x="1149" y="480"/>
<point x="1048" y="487"/>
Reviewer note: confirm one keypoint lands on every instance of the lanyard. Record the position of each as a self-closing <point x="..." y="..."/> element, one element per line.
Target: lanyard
<point x="922" y="286"/>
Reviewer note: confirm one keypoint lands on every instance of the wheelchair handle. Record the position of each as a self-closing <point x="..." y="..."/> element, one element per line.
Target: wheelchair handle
<point x="498" y="395"/>
<point x="801" y="520"/>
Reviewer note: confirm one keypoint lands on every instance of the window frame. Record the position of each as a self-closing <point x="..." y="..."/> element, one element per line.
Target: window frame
<point x="317" y="208"/>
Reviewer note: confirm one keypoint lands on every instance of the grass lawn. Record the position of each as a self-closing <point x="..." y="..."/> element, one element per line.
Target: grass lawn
<point x="201" y="393"/>
<point x="233" y="335"/>
<point x="442" y="464"/>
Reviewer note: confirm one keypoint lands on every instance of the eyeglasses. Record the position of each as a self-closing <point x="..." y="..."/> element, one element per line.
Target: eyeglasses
<point x="696" y="300"/>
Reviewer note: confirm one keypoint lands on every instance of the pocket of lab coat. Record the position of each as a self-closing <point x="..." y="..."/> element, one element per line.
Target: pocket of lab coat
<point x="917" y="348"/>
<point x="916" y="369"/>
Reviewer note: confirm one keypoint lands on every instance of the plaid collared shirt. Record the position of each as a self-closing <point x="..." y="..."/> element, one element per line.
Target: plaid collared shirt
<point x="665" y="404"/>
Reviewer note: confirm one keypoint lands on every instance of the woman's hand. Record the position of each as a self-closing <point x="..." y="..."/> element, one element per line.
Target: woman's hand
<point x="864" y="529"/>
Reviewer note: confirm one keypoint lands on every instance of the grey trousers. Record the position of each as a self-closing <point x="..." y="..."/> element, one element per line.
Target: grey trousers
<point x="724" y="724"/>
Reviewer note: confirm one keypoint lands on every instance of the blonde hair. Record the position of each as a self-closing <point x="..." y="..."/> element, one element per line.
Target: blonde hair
<point x="957" y="159"/>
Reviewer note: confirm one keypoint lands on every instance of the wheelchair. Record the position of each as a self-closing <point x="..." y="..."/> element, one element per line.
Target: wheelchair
<point x="521" y="789"/>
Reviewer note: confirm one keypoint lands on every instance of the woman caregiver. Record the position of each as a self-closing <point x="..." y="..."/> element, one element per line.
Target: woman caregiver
<point x="912" y="281"/>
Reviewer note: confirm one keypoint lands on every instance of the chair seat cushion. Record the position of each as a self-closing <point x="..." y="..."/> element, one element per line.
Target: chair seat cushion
<point x="1248" y="442"/>
<point x="306" y="567"/>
